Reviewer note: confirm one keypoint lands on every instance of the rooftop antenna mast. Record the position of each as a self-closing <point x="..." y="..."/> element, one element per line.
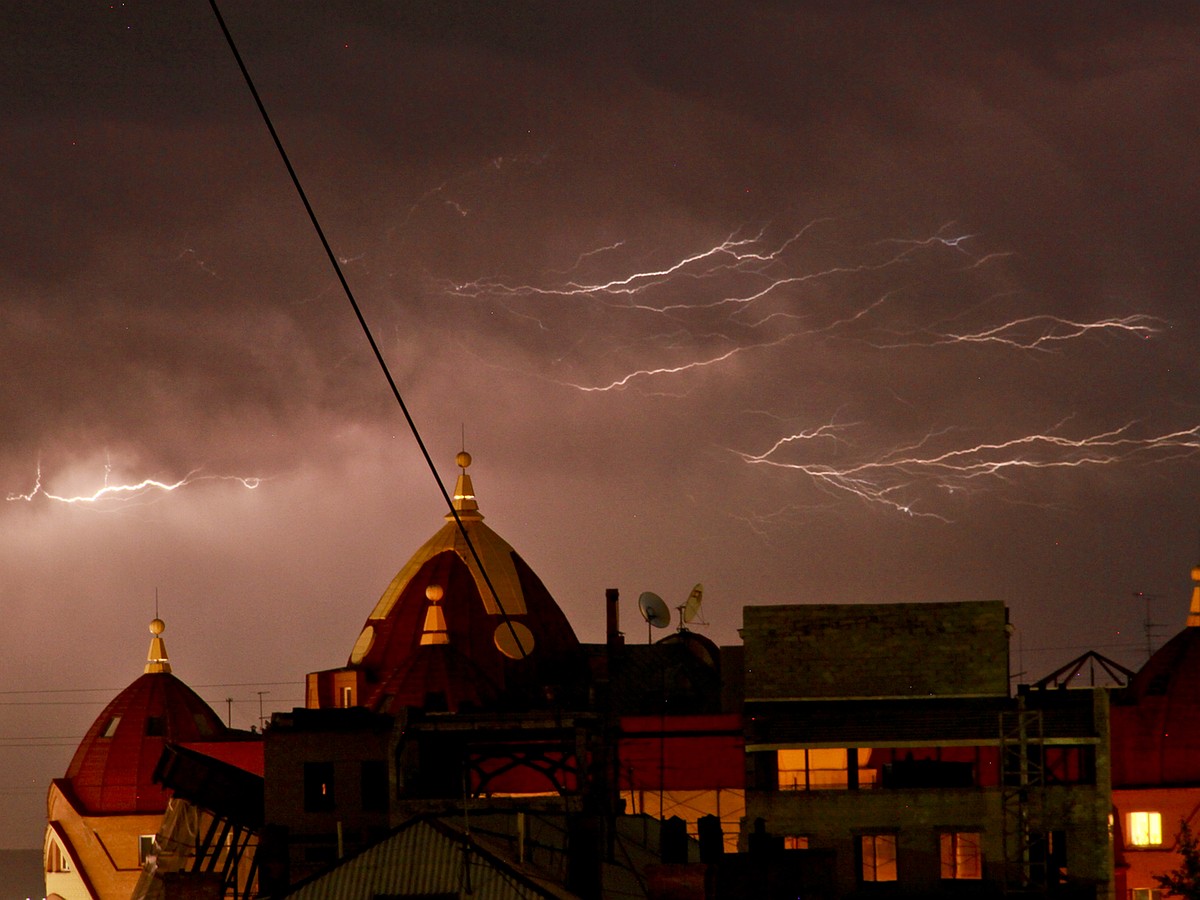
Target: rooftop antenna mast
<point x="1148" y="624"/>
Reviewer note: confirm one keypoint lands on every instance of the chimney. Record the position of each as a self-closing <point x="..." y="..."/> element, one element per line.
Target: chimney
<point x="613" y="619"/>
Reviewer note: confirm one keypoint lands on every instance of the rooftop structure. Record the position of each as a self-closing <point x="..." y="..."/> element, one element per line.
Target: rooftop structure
<point x="102" y="816"/>
<point x="465" y="624"/>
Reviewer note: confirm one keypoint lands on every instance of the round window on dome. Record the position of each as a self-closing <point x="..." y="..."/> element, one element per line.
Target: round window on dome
<point x="363" y="645"/>
<point x="513" y="639"/>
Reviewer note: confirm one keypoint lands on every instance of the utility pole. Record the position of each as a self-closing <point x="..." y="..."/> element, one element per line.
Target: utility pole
<point x="262" y="724"/>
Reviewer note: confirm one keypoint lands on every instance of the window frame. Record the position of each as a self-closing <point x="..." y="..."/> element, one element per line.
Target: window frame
<point x="876" y="839"/>
<point x="147" y="846"/>
<point x="810" y="770"/>
<point x="1152" y="829"/>
<point x="951" y="867"/>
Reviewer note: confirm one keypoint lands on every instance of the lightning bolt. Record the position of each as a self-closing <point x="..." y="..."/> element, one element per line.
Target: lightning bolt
<point x="887" y="478"/>
<point x="1041" y="332"/>
<point x="757" y="292"/>
<point x="128" y="491"/>
<point x="740" y="272"/>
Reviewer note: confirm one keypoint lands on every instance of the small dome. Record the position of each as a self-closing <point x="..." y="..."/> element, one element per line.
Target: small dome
<point x="1156" y="719"/>
<point x="113" y="768"/>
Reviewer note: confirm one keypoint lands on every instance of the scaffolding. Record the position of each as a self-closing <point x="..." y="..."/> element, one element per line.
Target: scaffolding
<point x="1022" y="791"/>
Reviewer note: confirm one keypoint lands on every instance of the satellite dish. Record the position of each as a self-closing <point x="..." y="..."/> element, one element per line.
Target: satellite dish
<point x="691" y="609"/>
<point x="654" y="610"/>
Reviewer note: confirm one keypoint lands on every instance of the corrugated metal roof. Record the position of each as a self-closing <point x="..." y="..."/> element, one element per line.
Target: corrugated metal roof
<point x="425" y="857"/>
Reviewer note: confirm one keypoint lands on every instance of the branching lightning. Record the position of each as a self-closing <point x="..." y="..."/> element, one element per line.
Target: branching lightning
<point x="129" y="491"/>
<point x="717" y="286"/>
<point x="890" y="477"/>
<point x="783" y="301"/>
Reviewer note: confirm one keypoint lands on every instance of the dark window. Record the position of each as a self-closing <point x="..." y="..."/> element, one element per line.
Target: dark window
<point x="156" y="726"/>
<point x="374" y="785"/>
<point x="318" y="787"/>
<point x="146" y="847"/>
<point x="1069" y="764"/>
<point x="320" y="855"/>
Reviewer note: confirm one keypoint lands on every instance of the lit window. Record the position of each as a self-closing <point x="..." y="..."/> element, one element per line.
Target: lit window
<point x="145" y="847"/>
<point x="1146" y="894"/>
<point x="820" y="769"/>
<point x="1145" y="829"/>
<point x="962" y="856"/>
<point x="110" y="727"/>
<point x="827" y="769"/>
<point x="347" y="696"/>
<point x="795" y="842"/>
<point x="878" y="857"/>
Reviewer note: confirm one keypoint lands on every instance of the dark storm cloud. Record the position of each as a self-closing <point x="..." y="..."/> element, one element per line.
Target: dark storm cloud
<point x="914" y="171"/>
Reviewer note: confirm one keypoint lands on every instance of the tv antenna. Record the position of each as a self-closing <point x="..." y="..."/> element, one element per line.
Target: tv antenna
<point x="654" y="610"/>
<point x="1149" y="624"/>
<point x="690" y="609"/>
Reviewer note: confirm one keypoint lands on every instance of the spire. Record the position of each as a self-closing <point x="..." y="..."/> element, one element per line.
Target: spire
<point x="156" y="658"/>
<point x="1193" y="619"/>
<point x="464" y="491"/>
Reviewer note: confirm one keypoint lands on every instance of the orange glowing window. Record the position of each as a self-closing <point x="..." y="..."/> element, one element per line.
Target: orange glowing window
<point x="962" y="855"/>
<point x="795" y="842"/>
<point x="878" y="853"/>
<point x="1145" y="829"/>
<point x="820" y="769"/>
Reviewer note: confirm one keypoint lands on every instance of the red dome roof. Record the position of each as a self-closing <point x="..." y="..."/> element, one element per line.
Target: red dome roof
<point x="442" y="637"/>
<point x="112" y="770"/>
<point x="1156" y="720"/>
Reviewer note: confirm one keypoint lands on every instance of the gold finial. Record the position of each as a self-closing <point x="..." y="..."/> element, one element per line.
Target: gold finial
<point x="464" y="491"/>
<point x="435" y="631"/>
<point x="156" y="658"/>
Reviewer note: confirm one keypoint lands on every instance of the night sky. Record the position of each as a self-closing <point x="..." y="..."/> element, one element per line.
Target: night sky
<point x="809" y="304"/>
